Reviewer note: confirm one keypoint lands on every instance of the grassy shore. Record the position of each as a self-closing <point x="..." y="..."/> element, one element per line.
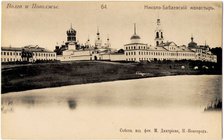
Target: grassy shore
<point x="34" y="76"/>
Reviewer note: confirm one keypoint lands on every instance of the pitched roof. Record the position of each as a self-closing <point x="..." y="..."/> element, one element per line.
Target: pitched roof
<point x="29" y="48"/>
<point x="158" y="48"/>
<point x="11" y="49"/>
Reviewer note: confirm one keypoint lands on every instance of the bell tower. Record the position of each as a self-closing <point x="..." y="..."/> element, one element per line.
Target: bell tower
<point x="98" y="41"/>
<point x="159" y="33"/>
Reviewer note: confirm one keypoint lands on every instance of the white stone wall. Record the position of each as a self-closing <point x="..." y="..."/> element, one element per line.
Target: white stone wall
<point x="104" y="56"/>
<point x="44" y="56"/>
<point x="117" y="57"/>
<point x="73" y="58"/>
<point x="76" y="53"/>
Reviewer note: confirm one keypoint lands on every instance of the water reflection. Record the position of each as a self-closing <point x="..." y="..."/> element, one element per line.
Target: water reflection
<point x="63" y="112"/>
<point x="7" y="106"/>
<point x="29" y="101"/>
<point x="163" y="92"/>
<point x="72" y="104"/>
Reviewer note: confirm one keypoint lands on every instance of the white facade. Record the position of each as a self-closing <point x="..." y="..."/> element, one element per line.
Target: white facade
<point x="117" y="57"/>
<point x="90" y="54"/>
<point x="44" y="56"/>
<point x="11" y="54"/>
<point x="143" y="52"/>
<point x="137" y="51"/>
<point x="72" y="55"/>
<point x="99" y="51"/>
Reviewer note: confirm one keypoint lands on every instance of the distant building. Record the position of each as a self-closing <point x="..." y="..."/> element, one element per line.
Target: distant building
<point x="133" y="51"/>
<point x="72" y="50"/>
<point x="28" y="53"/>
<point x="138" y="51"/>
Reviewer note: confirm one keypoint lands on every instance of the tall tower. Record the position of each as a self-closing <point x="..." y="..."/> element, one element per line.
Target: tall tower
<point x="159" y="33"/>
<point x="98" y="41"/>
<point x="135" y="38"/>
<point x="71" y="35"/>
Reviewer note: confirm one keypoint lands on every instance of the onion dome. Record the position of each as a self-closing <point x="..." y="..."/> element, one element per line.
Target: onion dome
<point x="192" y="44"/>
<point x="135" y="36"/>
<point x="71" y="31"/>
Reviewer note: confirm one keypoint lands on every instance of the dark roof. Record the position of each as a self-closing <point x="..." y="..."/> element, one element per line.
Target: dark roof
<point x="135" y="44"/>
<point x="28" y="48"/>
<point x="135" y="37"/>
<point x="167" y="43"/>
<point x="192" y="44"/>
<point x="204" y="47"/>
<point x="71" y="30"/>
<point x="11" y="49"/>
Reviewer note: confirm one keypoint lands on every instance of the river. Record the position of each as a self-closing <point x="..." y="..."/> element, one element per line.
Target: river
<point x="112" y="109"/>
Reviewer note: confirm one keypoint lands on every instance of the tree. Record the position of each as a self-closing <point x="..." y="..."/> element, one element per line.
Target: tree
<point x="120" y="51"/>
<point x="218" y="52"/>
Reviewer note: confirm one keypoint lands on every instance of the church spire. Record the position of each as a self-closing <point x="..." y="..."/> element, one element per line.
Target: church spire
<point x="98" y="32"/>
<point x="135" y="38"/>
<point x="108" y="37"/>
<point x="134" y="28"/>
<point x="205" y="43"/>
<point x="88" y="38"/>
<point x="107" y="44"/>
<point x="98" y="41"/>
<point x="192" y="38"/>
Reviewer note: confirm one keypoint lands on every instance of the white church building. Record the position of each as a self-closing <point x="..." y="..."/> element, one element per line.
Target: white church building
<point x="134" y="51"/>
<point x="73" y="51"/>
<point x="138" y="51"/>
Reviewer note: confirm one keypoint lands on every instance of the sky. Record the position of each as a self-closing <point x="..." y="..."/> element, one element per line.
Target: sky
<point x="47" y="27"/>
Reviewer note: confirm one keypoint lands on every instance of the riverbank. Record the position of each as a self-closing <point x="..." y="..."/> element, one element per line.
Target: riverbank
<point x="35" y="76"/>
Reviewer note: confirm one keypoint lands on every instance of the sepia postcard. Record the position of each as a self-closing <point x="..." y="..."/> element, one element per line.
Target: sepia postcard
<point x="111" y="70"/>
